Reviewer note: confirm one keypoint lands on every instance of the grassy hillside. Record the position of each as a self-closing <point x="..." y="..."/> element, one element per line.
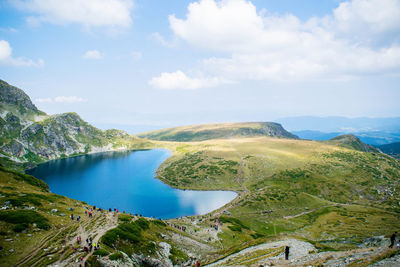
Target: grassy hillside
<point x="219" y="131"/>
<point x="36" y="229"/>
<point x="331" y="195"/>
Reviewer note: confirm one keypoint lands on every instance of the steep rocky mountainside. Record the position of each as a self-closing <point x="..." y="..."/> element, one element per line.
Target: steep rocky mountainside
<point x="219" y="131"/>
<point x="28" y="135"/>
<point x="353" y="142"/>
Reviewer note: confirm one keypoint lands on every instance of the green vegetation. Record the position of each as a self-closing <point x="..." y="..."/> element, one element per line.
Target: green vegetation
<point x="177" y="257"/>
<point x="101" y="252"/>
<point x="134" y="237"/>
<point x="23" y="218"/>
<point x="116" y="256"/>
<point x="236" y="224"/>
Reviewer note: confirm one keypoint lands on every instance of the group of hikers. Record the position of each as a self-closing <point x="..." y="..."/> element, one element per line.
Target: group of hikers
<point x="182" y="228"/>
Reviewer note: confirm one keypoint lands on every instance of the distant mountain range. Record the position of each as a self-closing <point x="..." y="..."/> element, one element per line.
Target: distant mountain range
<point x="341" y="124"/>
<point x="373" y="131"/>
<point x="372" y="138"/>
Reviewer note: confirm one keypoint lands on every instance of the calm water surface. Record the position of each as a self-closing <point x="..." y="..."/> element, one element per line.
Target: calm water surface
<point x="126" y="180"/>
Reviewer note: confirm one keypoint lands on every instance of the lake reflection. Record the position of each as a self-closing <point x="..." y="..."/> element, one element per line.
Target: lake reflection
<point x="126" y="180"/>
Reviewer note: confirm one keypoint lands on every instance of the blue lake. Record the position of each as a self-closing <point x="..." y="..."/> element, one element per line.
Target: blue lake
<point x="126" y="181"/>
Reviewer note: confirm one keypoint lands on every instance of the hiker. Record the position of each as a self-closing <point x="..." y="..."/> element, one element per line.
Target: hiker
<point x="392" y="239"/>
<point x="287" y="253"/>
<point x="197" y="263"/>
<point x="72" y="216"/>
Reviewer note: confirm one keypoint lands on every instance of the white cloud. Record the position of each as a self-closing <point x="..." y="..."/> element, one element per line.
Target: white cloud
<point x="6" y="57"/>
<point x="93" y="54"/>
<point x="360" y="37"/>
<point x="70" y="99"/>
<point x="136" y="55"/>
<point x="179" y="80"/>
<point x="368" y="18"/>
<point x="90" y="13"/>
<point x="61" y="99"/>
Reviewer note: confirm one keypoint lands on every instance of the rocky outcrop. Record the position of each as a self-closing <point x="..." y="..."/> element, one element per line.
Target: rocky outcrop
<point x="13" y="96"/>
<point x="353" y="142"/>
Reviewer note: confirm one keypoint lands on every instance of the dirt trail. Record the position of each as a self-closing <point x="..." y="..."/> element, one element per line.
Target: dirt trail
<point x="95" y="228"/>
<point x="298" y="249"/>
<point x="304" y="254"/>
<point x="111" y="221"/>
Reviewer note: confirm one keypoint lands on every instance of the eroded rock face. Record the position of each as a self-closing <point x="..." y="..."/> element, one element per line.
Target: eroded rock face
<point x="11" y="95"/>
<point x="14" y="148"/>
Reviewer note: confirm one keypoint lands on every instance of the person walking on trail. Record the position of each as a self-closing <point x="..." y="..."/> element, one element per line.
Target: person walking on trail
<point x="392" y="239"/>
<point x="287" y="252"/>
<point x="197" y="263"/>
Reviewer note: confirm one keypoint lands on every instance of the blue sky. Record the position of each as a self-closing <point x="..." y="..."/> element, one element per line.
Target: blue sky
<point x="164" y="63"/>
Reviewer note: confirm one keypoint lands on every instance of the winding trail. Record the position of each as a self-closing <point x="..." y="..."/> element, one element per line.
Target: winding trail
<point x="298" y="249"/>
<point x="95" y="228"/>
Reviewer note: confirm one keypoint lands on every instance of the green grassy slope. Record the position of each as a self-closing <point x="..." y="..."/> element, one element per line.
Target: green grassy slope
<point x="310" y="190"/>
<point x="219" y="131"/>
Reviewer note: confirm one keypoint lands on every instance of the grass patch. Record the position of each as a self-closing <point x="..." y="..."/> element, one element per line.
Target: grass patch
<point x="101" y="252"/>
<point x="116" y="256"/>
<point x="177" y="257"/>
<point x="22" y="217"/>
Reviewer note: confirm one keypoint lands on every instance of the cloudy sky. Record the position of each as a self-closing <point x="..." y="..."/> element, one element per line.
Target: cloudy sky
<point x="148" y="62"/>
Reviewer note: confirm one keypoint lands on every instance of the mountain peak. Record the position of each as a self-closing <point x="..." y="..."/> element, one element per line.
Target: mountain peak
<point x="15" y="97"/>
<point x="352" y="141"/>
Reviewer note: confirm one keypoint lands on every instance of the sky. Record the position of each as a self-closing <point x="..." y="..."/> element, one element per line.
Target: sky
<point x="176" y="62"/>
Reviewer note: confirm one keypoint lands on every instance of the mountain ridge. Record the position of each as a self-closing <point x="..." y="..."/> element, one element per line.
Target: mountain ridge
<point x="353" y="142"/>
<point x="204" y="132"/>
